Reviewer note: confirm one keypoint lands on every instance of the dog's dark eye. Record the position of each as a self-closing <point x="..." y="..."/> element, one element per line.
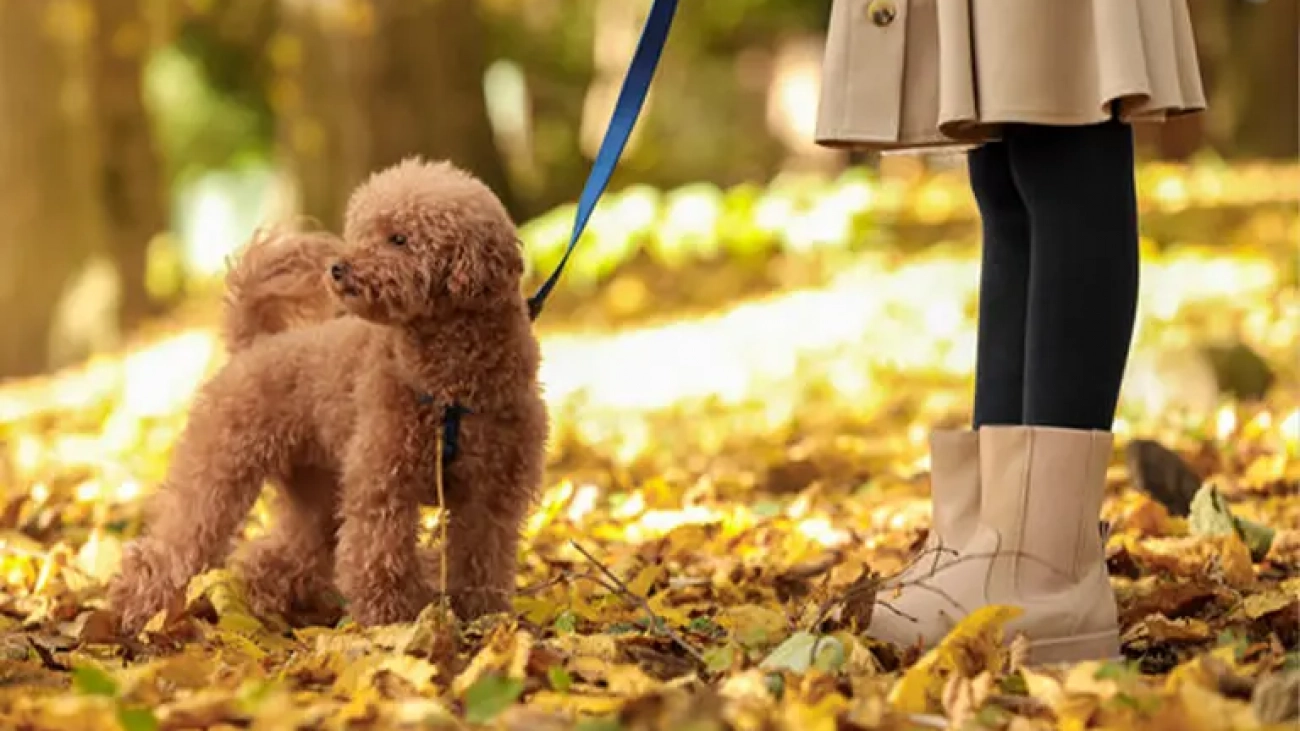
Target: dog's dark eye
<point x="397" y="240"/>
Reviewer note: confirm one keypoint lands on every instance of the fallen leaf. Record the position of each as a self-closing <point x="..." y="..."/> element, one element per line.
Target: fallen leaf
<point x="1211" y="516"/>
<point x="505" y="654"/>
<point x="754" y="625"/>
<point x="796" y="654"/>
<point x="619" y="678"/>
<point x="489" y="696"/>
<point x="136" y="719"/>
<point x="577" y="703"/>
<point x="820" y="716"/>
<point x="1212" y="710"/>
<point x="1257" y="606"/>
<point x="1277" y="698"/>
<point x="95" y="627"/>
<point x="90" y="680"/>
<point x="1044" y="685"/>
<point x="1157" y="628"/>
<point x="1162" y="474"/>
<point x="1257" y="537"/>
<point x="975" y="645"/>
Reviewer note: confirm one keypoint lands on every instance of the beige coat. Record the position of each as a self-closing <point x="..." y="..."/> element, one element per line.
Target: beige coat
<point x="903" y="74"/>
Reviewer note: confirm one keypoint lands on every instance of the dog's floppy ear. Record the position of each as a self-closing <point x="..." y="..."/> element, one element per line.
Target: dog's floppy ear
<point x="487" y="265"/>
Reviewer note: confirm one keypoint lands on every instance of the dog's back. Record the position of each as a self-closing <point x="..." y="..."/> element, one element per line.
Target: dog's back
<point x="275" y="284"/>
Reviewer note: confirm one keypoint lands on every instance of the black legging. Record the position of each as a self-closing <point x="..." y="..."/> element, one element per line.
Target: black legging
<point x="1059" y="277"/>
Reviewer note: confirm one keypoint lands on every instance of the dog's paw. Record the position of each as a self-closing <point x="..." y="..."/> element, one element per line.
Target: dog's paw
<point x="470" y="604"/>
<point x="391" y="606"/>
<point x="285" y="585"/>
<point x="143" y="586"/>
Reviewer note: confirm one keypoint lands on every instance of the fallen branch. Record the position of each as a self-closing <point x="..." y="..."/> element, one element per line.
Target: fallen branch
<point x="656" y="621"/>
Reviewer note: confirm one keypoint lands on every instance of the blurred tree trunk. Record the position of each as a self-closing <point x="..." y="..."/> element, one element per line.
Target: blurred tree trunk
<point x="50" y="220"/>
<point x="427" y="88"/>
<point x="364" y="83"/>
<point x="319" y="96"/>
<point x="1250" y="62"/>
<point x="131" y="176"/>
<point x="1264" y="78"/>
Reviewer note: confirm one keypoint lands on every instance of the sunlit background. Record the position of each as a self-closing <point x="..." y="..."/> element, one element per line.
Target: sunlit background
<point x="754" y="331"/>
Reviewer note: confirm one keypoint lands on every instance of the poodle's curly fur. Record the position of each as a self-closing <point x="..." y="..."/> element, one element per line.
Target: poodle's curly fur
<point x="343" y="356"/>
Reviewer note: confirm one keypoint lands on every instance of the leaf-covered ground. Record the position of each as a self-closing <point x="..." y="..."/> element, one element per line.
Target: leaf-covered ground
<point x="718" y="486"/>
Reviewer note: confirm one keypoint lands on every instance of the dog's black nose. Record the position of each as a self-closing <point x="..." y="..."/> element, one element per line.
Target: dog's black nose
<point x="338" y="270"/>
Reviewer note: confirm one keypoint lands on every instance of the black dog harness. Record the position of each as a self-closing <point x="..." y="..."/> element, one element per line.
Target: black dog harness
<point x="450" y="426"/>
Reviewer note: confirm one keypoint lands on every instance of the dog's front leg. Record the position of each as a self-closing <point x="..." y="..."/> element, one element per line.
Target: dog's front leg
<point x="377" y="564"/>
<point x="483" y="533"/>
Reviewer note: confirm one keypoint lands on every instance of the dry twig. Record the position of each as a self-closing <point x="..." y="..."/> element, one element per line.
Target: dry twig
<point x="621" y="589"/>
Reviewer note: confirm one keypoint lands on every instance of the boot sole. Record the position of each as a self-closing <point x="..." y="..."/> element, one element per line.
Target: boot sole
<point x="1076" y="648"/>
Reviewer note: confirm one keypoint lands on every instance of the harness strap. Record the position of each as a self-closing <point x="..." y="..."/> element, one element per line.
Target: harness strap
<point x="450" y="431"/>
<point x="626" y="110"/>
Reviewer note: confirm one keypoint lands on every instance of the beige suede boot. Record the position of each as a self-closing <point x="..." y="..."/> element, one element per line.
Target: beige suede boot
<point x="1036" y="547"/>
<point x="954" y="502"/>
<point x="955" y="508"/>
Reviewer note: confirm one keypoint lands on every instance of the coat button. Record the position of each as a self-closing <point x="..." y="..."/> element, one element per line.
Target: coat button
<point x="882" y="12"/>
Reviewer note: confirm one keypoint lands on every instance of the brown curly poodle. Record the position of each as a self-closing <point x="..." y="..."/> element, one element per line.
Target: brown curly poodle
<point x="344" y="357"/>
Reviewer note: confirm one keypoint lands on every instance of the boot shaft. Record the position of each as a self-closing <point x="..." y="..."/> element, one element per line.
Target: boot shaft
<point x="954" y="485"/>
<point x="1041" y="493"/>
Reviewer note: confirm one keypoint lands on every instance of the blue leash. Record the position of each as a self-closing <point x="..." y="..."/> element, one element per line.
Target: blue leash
<point x="630" y="100"/>
<point x="626" y="111"/>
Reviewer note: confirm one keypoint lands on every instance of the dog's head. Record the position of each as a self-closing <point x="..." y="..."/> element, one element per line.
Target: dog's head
<point x="423" y="238"/>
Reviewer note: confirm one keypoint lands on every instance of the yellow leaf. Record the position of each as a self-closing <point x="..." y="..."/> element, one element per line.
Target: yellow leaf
<point x="537" y="610"/>
<point x="859" y="662"/>
<point x="979" y="636"/>
<point x="1043" y="686"/>
<point x="754" y="624"/>
<point x="505" y="654"/>
<point x="749" y="686"/>
<point x="919" y="685"/>
<point x="1211" y="711"/>
<point x="821" y="716"/>
<point x="239" y="642"/>
<point x="200" y="710"/>
<point x="420" y="713"/>
<point x="1086" y="678"/>
<point x="1261" y="605"/>
<point x="602" y="647"/>
<point x="1159" y="628"/>
<point x="579" y="605"/>
<point x="621" y="679"/>
<point x="222" y="588"/>
<point x="360" y="707"/>
<point x="1076" y="711"/>
<point x="1234" y="560"/>
<point x="419" y="673"/>
<point x="573" y="703"/>
<point x="431" y="635"/>
<point x="242" y="623"/>
<point x="675" y="616"/>
<point x="645" y="580"/>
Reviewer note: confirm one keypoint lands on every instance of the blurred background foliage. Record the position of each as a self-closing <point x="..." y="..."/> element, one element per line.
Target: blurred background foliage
<point x="142" y="140"/>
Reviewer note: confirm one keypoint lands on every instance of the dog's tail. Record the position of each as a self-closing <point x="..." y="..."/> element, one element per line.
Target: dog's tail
<point x="277" y="283"/>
